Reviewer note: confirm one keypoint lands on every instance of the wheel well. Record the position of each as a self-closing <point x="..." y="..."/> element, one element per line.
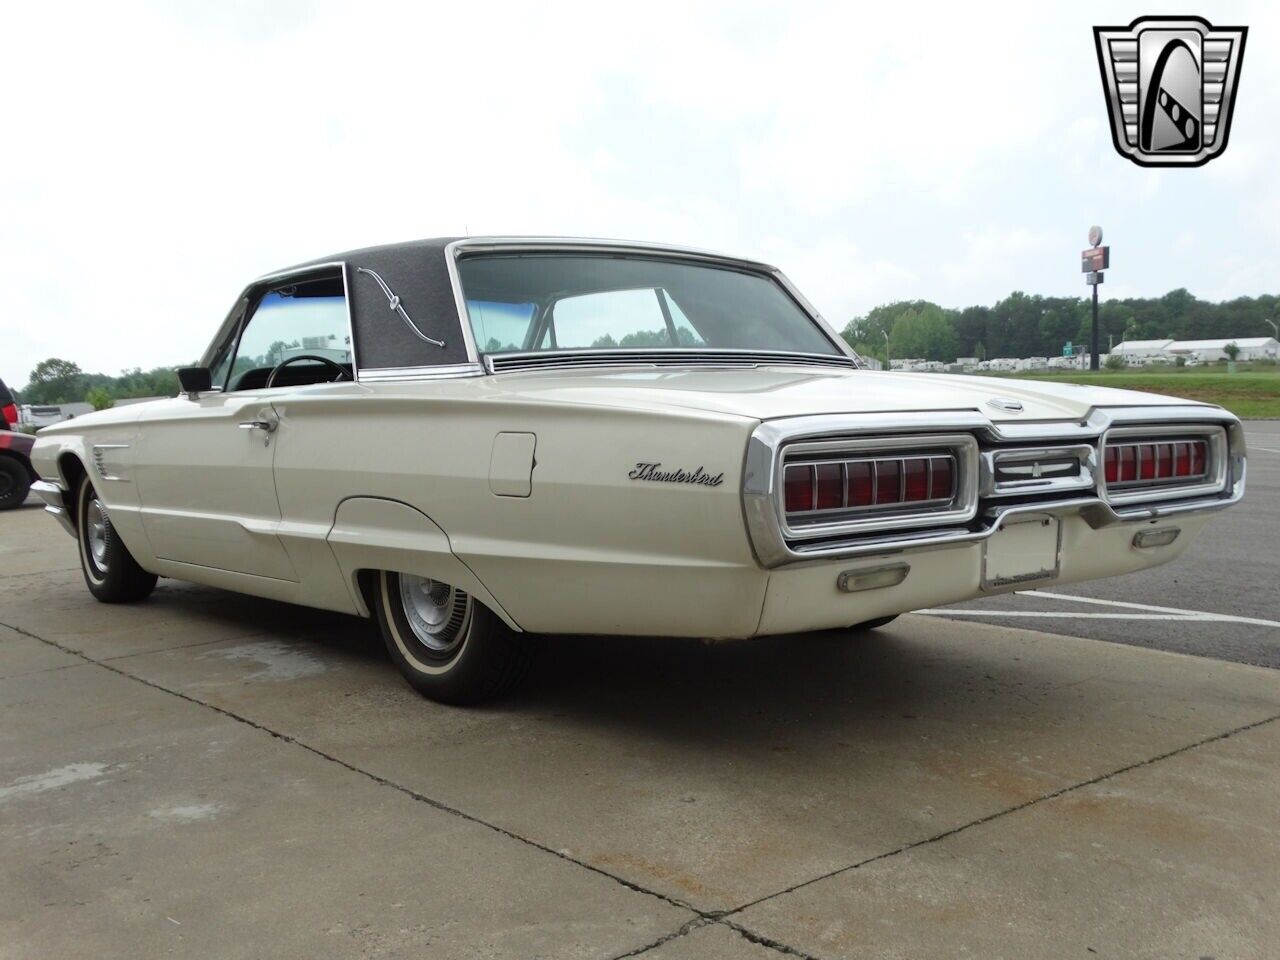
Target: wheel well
<point x="73" y="472"/>
<point x="365" y="580"/>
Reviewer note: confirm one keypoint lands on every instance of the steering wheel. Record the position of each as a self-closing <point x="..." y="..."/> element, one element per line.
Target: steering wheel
<point x="342" y="373"/>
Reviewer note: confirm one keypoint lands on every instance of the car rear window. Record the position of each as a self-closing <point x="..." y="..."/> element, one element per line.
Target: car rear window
<point x="5" y="396"/>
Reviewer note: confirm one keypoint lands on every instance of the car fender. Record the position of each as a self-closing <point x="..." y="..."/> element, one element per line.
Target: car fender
<point x="373" y="533"/>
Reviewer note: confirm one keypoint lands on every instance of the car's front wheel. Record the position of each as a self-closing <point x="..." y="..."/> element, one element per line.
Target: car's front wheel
<point x="110" y="571"/>
<point x="447" y="644"/>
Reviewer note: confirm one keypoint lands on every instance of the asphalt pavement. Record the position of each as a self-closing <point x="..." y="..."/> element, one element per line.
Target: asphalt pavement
<point x="1221" y="599"/>
<point x="209" y="775"/>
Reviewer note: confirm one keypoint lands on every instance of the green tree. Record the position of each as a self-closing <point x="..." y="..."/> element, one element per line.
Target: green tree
<point x="55" y="381"/>
<point x="1114" y="362"/>
<point x="1232" y="350"/>
<point x="100" y="398"/>
<point x="924" y="332"/>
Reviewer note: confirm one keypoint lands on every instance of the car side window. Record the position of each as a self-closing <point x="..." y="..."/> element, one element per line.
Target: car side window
<point x="302" y="319"/>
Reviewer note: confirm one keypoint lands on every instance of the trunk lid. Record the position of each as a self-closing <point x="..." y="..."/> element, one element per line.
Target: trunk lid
<point x="765" y="393"/>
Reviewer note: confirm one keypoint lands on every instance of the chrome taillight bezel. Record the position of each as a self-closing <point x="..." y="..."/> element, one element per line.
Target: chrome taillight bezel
<point x="960" y="508"/>
<point x="1214" y="481"/>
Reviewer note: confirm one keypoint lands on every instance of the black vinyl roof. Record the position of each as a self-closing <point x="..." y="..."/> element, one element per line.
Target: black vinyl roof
<point x="417" y="274"/>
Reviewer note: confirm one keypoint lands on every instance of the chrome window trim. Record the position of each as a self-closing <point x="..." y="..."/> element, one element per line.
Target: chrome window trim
<point x="761" y="497"/>
<point x="961" y="507"/>
<point x="1162" y="488"/>
<point x="532" y="361"/>
<point x="448" y="371"/>
<point x="460" y="302"/>
<point x="273" y="278"/>
<point x="587" y="245"/>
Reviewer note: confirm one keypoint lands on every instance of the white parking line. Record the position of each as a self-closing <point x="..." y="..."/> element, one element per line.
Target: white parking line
<point x="1153" y="609"/>
<point x="1150" y="612"/>
<point x="1060" y="615"/>
<point x="1263" y="449"/>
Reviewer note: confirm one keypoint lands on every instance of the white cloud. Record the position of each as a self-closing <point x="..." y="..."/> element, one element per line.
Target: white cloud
<point x="160" y="155"/>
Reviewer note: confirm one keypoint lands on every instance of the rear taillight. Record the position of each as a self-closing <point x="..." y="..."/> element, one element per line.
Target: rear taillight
<point x="868" y="484"/>
<point x="1174" y="461"/>
<point x="9" y="414"/>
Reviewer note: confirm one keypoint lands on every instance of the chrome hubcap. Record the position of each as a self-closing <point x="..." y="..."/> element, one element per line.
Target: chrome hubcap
<point x="96" y="523"/>
<point x="438" y="614"/>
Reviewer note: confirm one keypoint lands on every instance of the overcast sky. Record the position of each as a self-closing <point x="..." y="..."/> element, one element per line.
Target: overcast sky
<point x="157" y="156"/>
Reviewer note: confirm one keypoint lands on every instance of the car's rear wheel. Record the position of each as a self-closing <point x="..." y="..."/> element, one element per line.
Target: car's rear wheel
<point x="110" y="571"/>
<point x="447" y="644"/>
<point x="872" y="624"/>
<point x="14" y="483"/>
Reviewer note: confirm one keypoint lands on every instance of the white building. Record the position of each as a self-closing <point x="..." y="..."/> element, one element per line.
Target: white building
<point x="1140" y="353"/>
<point x="1209" y="351"/>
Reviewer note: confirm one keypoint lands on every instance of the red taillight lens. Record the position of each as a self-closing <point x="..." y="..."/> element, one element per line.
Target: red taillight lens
<point x="1182" y="459"/>
<point x="888" y="480"/>
<point x="862" y="484"/>
<point x="1146" y="461"/>
<point x="798" y="488"/>
<point x="916" y="471"/>
<point x="1199" y="454"/>
<point x="9" y="413"/>
<point x="830" y="478"/>
<point x="942" y="479"/>
<point x="860" y="488"/>
<point x="1127" y="463"/>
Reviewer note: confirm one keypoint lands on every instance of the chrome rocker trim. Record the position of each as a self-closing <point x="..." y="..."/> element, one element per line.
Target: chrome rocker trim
<point x="776" y="545"/>
<point x="55" y="503"/>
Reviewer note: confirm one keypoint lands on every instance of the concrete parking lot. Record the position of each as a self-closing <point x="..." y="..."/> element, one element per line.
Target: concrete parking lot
<point x="210" y="775"/>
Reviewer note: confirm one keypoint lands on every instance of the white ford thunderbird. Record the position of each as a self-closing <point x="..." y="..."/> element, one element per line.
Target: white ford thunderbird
<point x="479" y="440"/>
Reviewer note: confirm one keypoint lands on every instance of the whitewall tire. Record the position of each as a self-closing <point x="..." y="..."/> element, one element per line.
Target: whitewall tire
<point x="447" y="644"/>
<point x="110" y="572"/>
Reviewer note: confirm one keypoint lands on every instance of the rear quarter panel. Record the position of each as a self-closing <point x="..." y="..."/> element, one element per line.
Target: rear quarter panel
<point x="590" y="550"/>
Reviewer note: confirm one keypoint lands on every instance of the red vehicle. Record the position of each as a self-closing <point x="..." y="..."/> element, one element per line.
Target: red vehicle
<point x="16" y="475"/>
<point x="8" y="409"/>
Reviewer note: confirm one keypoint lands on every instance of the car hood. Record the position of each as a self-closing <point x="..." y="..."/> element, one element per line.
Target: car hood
<point x="765" y="393"/>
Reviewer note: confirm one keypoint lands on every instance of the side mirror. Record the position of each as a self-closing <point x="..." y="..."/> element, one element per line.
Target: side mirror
<point x="195" y="380"/>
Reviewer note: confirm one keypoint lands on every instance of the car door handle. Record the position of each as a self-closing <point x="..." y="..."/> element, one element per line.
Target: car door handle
<point x="265" y="425"/>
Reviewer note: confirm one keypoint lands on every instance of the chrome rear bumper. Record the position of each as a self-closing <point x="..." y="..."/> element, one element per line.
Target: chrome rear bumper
<point x="54" y="498"/>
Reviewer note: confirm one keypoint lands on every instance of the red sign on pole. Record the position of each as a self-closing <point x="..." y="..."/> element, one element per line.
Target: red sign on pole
<point x="1095" y="259"/>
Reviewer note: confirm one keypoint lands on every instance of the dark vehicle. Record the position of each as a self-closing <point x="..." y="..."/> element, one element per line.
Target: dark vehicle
<point x="8" y="409"/>
<point x="16" y="475"/>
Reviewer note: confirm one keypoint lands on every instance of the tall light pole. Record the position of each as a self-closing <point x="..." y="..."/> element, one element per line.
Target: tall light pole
<point x="1273" y="327"/>
<point x="887" y="364"/>
<point x="1093" y="261"/>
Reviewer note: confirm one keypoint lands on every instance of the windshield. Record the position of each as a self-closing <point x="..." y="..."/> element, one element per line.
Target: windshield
<point x="541" y="301"/>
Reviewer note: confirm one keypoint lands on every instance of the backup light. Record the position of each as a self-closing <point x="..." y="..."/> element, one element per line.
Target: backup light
<point x="1155" y="538"/>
